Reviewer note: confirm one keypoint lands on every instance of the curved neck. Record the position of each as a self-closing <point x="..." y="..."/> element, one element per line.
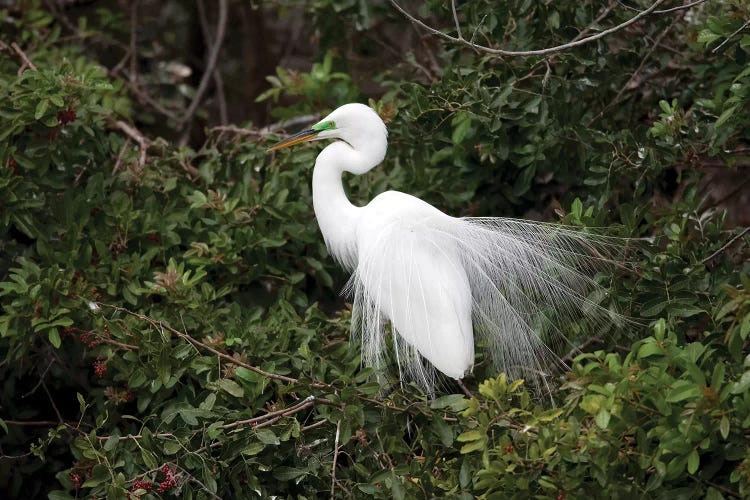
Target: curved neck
<point x="337" y="216"/>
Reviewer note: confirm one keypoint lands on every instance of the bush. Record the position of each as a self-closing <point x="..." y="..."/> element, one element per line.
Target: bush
<point x="170" y="323"/>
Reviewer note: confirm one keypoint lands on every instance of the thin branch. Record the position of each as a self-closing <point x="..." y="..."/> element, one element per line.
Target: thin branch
<point x="580" y="349"/>
<point x="335" y="459"/>
<point x="41" y="379"/>
<point x="26" y="62"/>
<point x="218" y="80"/>
<point x="747" y="23"/>
<point x="268" y="129"/>
<point x="213" y="57"/>
<point x="305" y="403"/>
<point x="726" y="245"/>
<point x="313" y="426"/>
<point x="526" y="53"/>
<point x="35" y="423"/>
<point x="134" y="134"/>
<point x="455" y="19"/>
<point x="132" y="46"/>
<point x="638" y="70"/>
<point x="665" y="11"/>
<point x="61" y="420"/>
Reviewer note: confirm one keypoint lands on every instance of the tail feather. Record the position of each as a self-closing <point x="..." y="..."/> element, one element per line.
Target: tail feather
<point x="529" y="281"/>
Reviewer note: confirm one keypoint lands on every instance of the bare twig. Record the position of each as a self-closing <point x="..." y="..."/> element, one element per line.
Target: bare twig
<point x="218" y="80"/>
<point x="41" y="379"/>
<point x="747" y="23"/>
<point x="579" y="349"/>
<point x="455" y="18"/>
<point x="313" y="426"/>
<point x="34" y="423"/>
<point x="132" y="47"/>
<point x="25" y="61"/>
<point x="134" y="134"/>
<point x="60" y="419"/>
<point x="268" y="129"/>
<point x="275" y="415"/>
<point x="638" y="70"/>
<point x="525" y="53"/>
<point x="726" y="245"/>
<point x="335" y="459"/>
<point x="213" y="56"/>
<point x="118" y="160"/>
<point x="665" y="11"/>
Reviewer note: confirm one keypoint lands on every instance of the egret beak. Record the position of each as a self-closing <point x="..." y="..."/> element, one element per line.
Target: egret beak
<point x="305" y="135"/>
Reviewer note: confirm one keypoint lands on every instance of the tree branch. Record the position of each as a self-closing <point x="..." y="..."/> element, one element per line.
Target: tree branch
<point x="726" y="245"/>
<point x="213" y="57"/>
<point x="26" y="62"/>
<point x="525" y="53"/>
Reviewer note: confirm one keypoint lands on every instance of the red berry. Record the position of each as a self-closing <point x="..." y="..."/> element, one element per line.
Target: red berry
<point x="142" y="485"/>
<point x="66" y="116"/>
<point x="100" y="367"/>
<point x="75" y="479"/>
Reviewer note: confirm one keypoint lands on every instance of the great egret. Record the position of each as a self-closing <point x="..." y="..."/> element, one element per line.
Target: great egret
<point x="439" y="279"/>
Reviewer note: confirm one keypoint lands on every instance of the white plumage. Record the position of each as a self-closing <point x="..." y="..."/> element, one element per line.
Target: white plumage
<point x="439" y="280"/>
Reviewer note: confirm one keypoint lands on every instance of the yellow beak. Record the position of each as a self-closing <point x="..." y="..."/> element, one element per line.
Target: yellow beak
<point x="305" y="135"/>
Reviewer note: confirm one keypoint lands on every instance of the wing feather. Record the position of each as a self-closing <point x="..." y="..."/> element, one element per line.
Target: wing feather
<point x="520" y="284"/>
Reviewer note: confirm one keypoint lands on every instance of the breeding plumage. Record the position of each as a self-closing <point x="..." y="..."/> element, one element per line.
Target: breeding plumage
<point x="441" y="280"/>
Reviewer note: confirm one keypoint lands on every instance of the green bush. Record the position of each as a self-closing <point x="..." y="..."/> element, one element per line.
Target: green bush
<point x="170" y="321"/>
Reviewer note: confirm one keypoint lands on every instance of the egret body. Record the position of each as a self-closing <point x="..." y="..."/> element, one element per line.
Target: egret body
<point x="439" y="279"/>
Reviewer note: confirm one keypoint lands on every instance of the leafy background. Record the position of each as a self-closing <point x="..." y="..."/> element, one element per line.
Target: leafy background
<point x="171" y="324"/>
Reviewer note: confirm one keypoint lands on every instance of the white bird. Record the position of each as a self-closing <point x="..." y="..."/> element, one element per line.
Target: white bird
<point x="440" y="279"/>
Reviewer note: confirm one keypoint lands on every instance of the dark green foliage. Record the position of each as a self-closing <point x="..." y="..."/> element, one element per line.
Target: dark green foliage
<point x="171" y="312"/>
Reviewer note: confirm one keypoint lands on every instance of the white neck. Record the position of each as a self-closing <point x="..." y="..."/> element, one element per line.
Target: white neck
<point x="337" y="216"/>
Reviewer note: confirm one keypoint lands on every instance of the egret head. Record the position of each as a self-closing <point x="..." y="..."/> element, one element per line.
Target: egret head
<point x="356" y="124"/>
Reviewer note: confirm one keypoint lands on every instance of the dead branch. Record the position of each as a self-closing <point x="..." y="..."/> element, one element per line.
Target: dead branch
<point x="26" y="62"/>
<point x="525" y="53"/>
<point x="213" y="57"/>
<point x="134" y="134"/>
<point x="726" y="245"/>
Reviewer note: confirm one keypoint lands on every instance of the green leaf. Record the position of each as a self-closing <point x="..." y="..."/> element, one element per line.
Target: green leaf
<point x="54" y="337"/>
<point x="650" y="349"/>
<point x="694" y="460"/>
<point x="602" y="418"/>
<point x="472" y="435"/>
<point x="724" y="426"/>
<point x="267" y="436"/>
<point x="456" y="402"/>
<point x="41" y="108"/>
<point x="231" y="387"/>
<point x="682" y="390"/>
<point x="59" y="495"/>
<point x="459" y="133"/>
<point x="172" y="447"/>
<point x="725" y="115"/>
<point x="284" y="473"/>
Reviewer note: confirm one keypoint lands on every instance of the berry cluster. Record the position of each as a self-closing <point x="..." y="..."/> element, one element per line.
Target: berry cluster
<point x="89" y="339"/>
<point x="142" y="485"/>
<point x="100" y="367"/>
<point x="170" y="481"/>
<point x="75" y="478"/>
<point x="66" y="116"/>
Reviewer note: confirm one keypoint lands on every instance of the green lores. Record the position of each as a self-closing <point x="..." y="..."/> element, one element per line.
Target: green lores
<point x="320" y="127"/>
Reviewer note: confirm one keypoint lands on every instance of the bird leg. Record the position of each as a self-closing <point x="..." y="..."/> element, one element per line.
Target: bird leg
<point x="468" y="393"/>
